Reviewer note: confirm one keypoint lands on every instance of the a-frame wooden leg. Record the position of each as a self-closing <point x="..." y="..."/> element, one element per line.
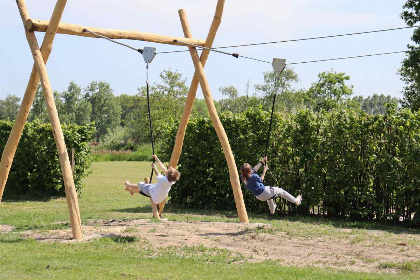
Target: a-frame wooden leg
<point x="233" y="172"/>
<point x="176" y="152"/>
<point x="14" y="137"/>
<point x="71" y="195"/>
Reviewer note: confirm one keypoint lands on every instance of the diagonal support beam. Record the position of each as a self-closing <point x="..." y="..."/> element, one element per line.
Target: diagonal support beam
<point x="70" y="189"/>
<point x="176" y="152"/>
<point x="14" y="137"/>
<point x="233" y="171"/>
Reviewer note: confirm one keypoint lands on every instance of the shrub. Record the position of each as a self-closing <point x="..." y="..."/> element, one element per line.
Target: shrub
<point x="345" y="163"/>
<point x="36" y="168"/>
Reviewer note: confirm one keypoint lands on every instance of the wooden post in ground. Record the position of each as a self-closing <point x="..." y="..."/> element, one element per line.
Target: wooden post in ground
<point x="233" y="171"/>
<point x="176" y="152"/>
<point x="71" y="195"/>
<point x="14" y="137"/>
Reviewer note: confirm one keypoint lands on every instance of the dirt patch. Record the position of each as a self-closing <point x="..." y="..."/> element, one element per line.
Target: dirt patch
<point x="5" y="228"/>
<point x="257" y="242"/>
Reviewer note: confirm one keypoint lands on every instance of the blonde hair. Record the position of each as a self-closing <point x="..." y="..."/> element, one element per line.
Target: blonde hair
<point x="246" y="171"/>
<point x="172" y="174"/>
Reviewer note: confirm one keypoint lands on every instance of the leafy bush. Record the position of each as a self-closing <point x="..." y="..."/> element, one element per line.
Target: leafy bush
<point x="36" y="168"/>
<point x="346" y="163"/>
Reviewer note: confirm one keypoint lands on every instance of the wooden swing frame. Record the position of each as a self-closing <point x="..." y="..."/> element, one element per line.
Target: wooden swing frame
<point x="39" y="74"/>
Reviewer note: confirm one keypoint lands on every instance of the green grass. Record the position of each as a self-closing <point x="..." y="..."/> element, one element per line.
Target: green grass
<point x="411" y="266"/>
<point x="107" y="258"/>
<point x="125" y="257"/>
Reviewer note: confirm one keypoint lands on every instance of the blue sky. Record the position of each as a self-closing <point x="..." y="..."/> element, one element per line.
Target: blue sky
<point x="244" y="21"/>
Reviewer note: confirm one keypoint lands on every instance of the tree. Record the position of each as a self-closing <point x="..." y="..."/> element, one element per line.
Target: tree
<point x="275" y="83"/>
<point x="106" y="110"/>
<point x="39" y="108"/>
<point x="167" y="102"/>
<point x="375" y="104"/>
<point x="199" y="109"/>
<point x="128" y="105"/>
<point x="228" y="104"/>
<point x="410" y="69"/>
<point x="330" y="91"/>
<point x="83" y="112"/>
<point x="9" y="107"/>
<point x="70" y="100"/>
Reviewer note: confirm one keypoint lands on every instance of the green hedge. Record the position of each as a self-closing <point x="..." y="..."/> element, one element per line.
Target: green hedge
<point x="36" y="169"/>
<point x="345" y="163"/>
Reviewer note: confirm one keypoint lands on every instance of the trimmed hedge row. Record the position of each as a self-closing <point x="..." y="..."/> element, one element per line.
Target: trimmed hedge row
<point x="345" y="163"/>
<point x="36" y="168"/>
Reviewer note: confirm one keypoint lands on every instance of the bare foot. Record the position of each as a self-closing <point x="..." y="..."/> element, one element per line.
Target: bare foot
<point x="128" y="187"/>
<point x="298" y="200"/>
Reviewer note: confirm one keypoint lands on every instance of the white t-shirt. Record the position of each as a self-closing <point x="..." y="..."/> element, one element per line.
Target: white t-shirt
<point x="160" y="190"/>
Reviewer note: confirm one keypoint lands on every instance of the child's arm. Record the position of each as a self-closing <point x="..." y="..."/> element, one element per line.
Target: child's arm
<point x="262" y="161"/>
<point x="155" y="169"/>
<point x="160" y="164"/>
<point x="263" y="174"/>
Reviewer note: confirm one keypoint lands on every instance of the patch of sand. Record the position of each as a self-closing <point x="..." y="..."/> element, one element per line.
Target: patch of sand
<point x="255" y="241"/>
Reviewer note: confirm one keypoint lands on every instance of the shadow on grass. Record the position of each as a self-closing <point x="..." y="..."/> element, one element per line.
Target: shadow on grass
<point x="242" y="232"/>
<point x="28" y="198"/>
<point x="140" y="209"/>
<point x="171" y="209"/>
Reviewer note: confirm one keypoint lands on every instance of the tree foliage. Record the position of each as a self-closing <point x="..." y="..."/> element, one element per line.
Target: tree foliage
<point x="106" y="110"/>
<point x="167" y="102"/>
<point x="346" y="163"/>
<point x="36" y="167"/>
<point x="276" y="83"/>
<point x="9" y="107"/>
<point x="410" y="68"/>
<point x="375" y="104"/>
<point x="330" y="91"/>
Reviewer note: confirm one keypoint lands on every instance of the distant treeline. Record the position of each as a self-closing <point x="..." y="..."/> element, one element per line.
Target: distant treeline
<point x="121" y="121"/>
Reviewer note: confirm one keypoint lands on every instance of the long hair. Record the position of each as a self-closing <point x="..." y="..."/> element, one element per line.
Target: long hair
<point x="246" y="171"/>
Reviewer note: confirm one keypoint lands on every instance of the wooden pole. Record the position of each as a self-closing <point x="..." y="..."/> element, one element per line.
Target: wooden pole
<point x="71" y="195"/>
<point x="14" y="137"/>
<point x="72" y="161"/>
<point x="77" y="30"/>
<point x="233" y="172"/>
<point x="176" y="152"/>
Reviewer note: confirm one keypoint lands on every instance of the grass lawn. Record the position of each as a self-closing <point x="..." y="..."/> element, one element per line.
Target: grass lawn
<point x="104" y="198"/>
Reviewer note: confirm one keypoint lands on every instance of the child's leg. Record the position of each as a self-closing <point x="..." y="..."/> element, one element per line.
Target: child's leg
<point x="283" y="194"/>
<point x="155" y="210"/>
<point x="132" y="188"/>
<point x="272" y="205"/>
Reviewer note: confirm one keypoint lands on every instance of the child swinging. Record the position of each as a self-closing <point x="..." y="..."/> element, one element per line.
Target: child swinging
<point x="159" y="191"/>
<point x="254" y="183"/>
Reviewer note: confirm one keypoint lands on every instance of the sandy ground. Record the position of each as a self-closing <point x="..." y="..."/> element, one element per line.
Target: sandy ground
<point x="254" y="241"/>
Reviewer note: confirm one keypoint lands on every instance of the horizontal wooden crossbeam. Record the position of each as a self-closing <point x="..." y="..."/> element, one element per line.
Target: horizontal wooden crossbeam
<point x="77" y="30"/>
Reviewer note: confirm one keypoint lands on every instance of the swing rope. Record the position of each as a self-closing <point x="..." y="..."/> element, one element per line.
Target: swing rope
<point x="150" y="117"/>
<point x="276" y="89"/>
<point x="270" y="125"/>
